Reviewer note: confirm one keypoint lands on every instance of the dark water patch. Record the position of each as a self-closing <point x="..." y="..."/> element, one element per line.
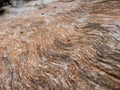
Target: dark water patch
<point x="6" y="61"/>
<point x="64" y="57"/>
<point x="62" y="45"/>
<point x="115" y="56"/>
<point x="102" y="50"/>
<point x="2" y="11"/>
<point x="95" y="26"/>
<point x="104" y="1"/>
<point x="4" y="3"/>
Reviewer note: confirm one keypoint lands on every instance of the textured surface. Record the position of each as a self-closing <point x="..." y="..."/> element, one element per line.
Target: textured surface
<point x="71" y="45"/>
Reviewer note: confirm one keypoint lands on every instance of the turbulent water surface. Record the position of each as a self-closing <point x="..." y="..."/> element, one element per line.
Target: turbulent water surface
<point x="65" y="45"/>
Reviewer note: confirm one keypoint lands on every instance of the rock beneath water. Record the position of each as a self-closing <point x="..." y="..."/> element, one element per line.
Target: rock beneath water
<point x="64" y="46"/>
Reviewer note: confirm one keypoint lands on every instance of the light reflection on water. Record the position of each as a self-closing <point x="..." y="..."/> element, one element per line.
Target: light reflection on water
<point x="20" y="6"/>
<point x="21" y="2"/>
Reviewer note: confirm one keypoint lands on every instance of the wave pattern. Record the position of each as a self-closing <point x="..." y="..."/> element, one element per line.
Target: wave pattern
<point x="77" y="48"/>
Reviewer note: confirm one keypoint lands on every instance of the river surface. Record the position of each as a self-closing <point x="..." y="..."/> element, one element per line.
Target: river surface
<point x="20" y="6"/>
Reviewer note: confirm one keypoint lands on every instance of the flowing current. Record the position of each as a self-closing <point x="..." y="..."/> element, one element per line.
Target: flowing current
<point x="19" y="6"/>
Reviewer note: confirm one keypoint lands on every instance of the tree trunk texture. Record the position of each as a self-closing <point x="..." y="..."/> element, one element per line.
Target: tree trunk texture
<point x="68" y="45"/>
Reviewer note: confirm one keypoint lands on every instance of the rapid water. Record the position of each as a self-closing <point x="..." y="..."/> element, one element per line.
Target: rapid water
<point x="19" y="6"/>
